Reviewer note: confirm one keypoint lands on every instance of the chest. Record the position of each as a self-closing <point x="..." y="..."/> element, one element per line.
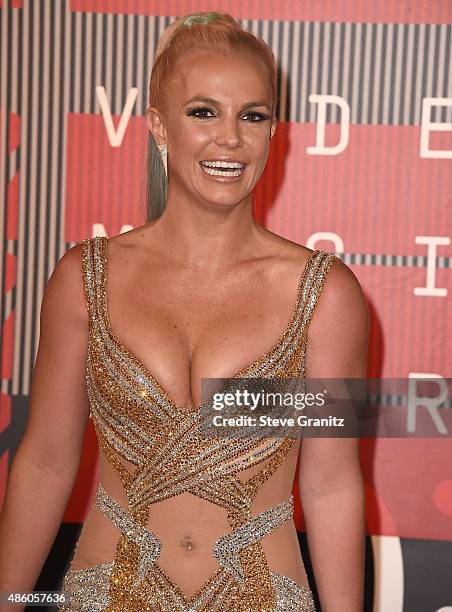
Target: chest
<point x="183" y="329"/>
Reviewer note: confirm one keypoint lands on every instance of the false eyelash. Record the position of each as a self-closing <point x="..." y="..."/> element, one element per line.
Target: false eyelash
<point x="194" y="109"/>
<point x="191" y="110"/>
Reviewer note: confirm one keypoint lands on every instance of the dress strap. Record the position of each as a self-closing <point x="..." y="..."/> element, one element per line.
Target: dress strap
<point x="314" y="279"/>
<point x="93" y="269"/>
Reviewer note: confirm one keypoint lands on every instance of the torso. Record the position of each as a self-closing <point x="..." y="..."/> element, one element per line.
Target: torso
<point x="213" y="327"/>
<point x="189" y="527"/>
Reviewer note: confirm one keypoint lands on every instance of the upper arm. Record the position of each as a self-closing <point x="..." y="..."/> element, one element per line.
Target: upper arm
<point x="337" y="347"/>
<point x="59" y="408"/>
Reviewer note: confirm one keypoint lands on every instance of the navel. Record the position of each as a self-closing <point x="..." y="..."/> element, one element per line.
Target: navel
<point x="187" y="543"/>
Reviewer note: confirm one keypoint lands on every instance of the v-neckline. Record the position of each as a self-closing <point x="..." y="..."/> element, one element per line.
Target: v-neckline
<point x="147" y="374"/>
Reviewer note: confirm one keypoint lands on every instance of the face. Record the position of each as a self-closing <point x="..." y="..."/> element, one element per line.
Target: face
<point x="219" y="112"/>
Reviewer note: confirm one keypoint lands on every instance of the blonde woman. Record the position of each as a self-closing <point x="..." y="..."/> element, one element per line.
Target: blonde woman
<point x="181" y="522"/>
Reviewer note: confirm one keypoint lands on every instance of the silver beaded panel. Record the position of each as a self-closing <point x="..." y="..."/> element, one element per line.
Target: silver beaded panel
<point x="86" y="590"/>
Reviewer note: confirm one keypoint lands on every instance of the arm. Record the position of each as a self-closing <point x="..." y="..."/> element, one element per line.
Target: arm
<point x="46" y="463"/>
<point x="330" y="479"/>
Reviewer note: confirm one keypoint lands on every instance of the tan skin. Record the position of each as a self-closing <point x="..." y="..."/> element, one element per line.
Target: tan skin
<point x="194" y="275"/>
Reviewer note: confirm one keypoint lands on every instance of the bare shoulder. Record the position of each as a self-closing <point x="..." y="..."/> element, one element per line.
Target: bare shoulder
<point x="340" y="326"/>
<point x="65" y="288"/>
<point x="341" y="289"/>
<point x="342" y="293"/>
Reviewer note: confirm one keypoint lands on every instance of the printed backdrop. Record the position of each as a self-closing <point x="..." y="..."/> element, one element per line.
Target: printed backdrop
<point x="360" y="165"/>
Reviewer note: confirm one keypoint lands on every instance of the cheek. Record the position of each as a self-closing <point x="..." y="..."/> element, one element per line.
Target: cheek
<point x="194" y="136"/>
<point x="258" y="140"/>
<point x="186" y="139"/>
<point x="261" y="149"/>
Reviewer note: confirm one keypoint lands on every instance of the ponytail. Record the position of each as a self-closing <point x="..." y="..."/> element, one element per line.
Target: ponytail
<point x="156" y="181"/>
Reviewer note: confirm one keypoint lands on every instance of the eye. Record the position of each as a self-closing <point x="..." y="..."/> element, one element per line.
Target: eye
<point x="194" y="111"/>
<point x="258" y="116"/>
<point x="200" y="113"/>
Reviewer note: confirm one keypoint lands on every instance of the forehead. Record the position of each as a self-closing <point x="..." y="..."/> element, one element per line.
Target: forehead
<point x="225" y="77"/>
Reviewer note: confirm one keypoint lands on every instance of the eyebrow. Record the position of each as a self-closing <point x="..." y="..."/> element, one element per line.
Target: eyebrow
<point x="217" y="103"/>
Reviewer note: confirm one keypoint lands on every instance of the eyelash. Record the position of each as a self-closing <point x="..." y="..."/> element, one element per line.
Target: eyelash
<point x="196" y="109"/>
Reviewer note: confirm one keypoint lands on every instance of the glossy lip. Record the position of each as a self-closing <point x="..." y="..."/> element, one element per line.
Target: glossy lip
<point x="223" y="179"/>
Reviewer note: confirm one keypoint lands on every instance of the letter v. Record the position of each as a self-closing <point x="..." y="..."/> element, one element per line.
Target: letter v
<point x="116" y="136"/>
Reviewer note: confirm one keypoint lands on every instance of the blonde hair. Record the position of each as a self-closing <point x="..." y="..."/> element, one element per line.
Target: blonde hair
<point x="215" y="32"/>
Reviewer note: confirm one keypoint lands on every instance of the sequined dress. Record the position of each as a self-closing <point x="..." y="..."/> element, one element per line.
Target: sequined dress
<point x="134" y="419"/>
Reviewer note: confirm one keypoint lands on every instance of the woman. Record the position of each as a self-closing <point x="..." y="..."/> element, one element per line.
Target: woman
<point x="182" y="522"/>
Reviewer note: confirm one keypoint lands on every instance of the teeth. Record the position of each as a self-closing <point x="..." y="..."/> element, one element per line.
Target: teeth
<point x="222" y="164"/>
<point x="219" y="172"/>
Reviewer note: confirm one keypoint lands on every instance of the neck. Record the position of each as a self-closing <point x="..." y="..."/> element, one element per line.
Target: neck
<point x="208" y="236"/>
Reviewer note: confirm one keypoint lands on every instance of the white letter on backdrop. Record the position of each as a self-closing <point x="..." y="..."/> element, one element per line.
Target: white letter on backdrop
<point x="116" y="136"/>
<point x="432" y="242"/>
<point x="99" y="229"/>
<point x="428" y="126"/>
<point x="320" y="148"/>
<point x="334" y="238"/>
<point x="431" y="403"/>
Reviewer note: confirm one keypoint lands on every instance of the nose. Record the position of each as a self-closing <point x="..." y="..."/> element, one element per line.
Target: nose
<point x="229" y="132"/>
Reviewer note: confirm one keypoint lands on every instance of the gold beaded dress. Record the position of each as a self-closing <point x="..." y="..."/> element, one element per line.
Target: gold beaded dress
<point x="135" y="420"/>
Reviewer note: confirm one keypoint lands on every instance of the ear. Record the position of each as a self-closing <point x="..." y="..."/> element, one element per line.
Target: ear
<point x="273" y="128"/>
<point x="156" y="125"/>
